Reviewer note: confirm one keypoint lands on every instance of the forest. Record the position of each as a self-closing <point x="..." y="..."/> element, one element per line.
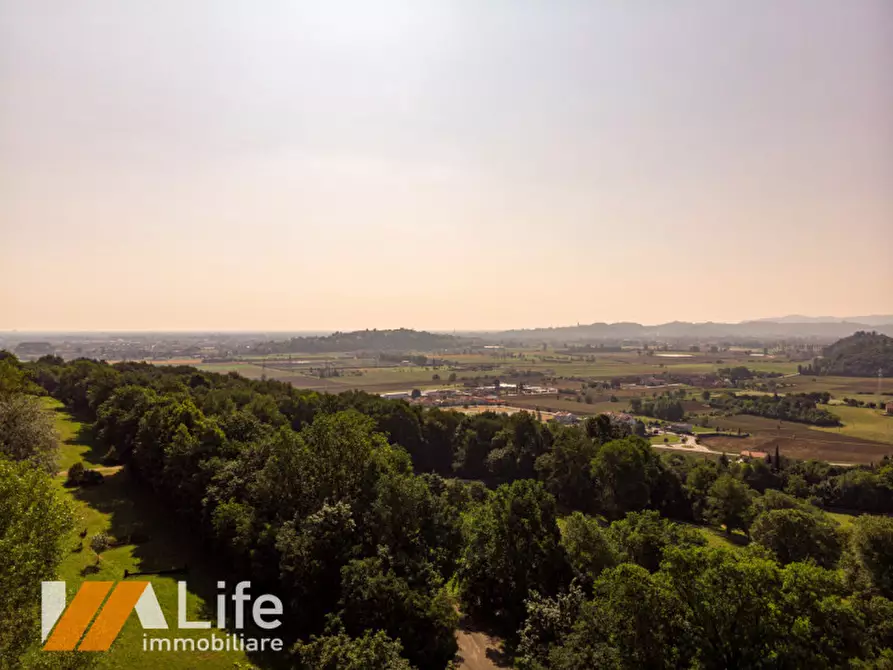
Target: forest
<point x="375" y="521"/>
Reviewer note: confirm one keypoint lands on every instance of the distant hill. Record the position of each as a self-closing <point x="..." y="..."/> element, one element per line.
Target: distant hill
<point x="684" y="330"/>
<point x="401" y="339"/>
<point x="872" y="320"/>
<point x="860" y="355"/>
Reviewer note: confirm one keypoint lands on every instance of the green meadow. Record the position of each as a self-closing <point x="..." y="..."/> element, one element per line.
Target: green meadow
<point x="119" y="507"/>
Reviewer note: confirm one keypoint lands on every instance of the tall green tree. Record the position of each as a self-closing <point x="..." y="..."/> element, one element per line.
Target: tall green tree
<point x="512" y="547"/>
<point x="730" y="504"/>
<point x="625" y="471"/>
<point x="27" y="432"/>
<point x="872" y="547"/>
<point x="642" y="537"/>
<point x="588" y="547"/>
<point x="35" y="522"/>
<point x="798" y="535"/>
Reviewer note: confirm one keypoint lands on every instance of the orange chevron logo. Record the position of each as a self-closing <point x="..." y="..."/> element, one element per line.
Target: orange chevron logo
<point x="64" y="627"/>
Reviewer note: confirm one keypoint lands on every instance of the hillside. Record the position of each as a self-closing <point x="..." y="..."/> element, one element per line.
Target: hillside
<point x="401" y="339"/>
<point x="682" y="329"/>
<point x="869" y="320"/>
<point x="860" y="355"/>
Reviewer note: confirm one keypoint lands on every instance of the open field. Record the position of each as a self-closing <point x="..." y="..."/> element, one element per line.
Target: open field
<point x="837" y="386"/>
<point x="119" y="507"/>
<point x="794" y="440"/>
<point x="861" y="422"/>
<point x="75" y="438"/>
<point x="864" y="438"/>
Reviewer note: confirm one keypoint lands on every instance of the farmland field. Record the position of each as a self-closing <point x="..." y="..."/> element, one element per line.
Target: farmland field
<point x="795" y="440"/>
<point x="861" y="422"/>
<point x="865" y="436"/>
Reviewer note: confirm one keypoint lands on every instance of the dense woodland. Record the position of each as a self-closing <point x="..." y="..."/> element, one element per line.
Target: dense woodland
<point x="373" y="519"/>
<point x="860" y="355"/>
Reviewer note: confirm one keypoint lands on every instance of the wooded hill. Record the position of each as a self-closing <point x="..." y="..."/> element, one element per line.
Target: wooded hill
<point x="401" y="339"/>
<point x="740" y="332"/>
<point x="860" y="355"/>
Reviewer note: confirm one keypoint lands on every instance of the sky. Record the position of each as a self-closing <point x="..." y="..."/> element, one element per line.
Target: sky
<point x="303" y="165"/>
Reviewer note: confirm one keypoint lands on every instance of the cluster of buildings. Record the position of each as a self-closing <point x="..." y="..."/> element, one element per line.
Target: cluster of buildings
<point x="480" y="395"/>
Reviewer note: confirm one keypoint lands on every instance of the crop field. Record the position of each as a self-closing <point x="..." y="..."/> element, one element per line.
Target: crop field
<point x="794" y="440"/>
<point x="839" y="386"/>
<point x="249" y="370"/>
<point x="865" y="436"/>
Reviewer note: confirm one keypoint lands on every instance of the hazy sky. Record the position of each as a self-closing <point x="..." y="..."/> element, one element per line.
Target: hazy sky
<point x="471" y="164"/>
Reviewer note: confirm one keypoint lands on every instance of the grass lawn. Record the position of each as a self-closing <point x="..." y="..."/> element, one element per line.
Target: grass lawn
<point x="245" y="369"/>
<point x="844" y="519"/>
<point x="75" y="438"/>
<point x="869" y="424"/>
<point x="119" y="507"/>
<point x="718" y="538"/>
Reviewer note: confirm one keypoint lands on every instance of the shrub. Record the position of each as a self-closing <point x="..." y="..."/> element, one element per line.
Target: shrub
<point x="100" y="542"/>
<point x="75" y="475"/>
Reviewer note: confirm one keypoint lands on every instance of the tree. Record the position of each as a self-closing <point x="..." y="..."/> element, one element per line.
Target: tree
<point x="588" y="547"/>
<point x="75" y="474"/>
<point x="35" y="522"/>
<point x="338" y="651"/>
<point x="634" y="621"/>
<point x="729" y="504"/>
<point x="452" y="377"/>
<point x="566" y="470"/>
<point x="375" y="597"/>
<point x="797" y="486"/>
<point x="100" y="542"/>
<point x="798" y="535"/>
<point x="549" y="621"/>
<point x="416" y="393"/>
<point x="642" y="537"/>
<point x="705" y="395"/>
<point x="12" y="378"/>
<point x="27" y="432"/>
<point x="512" y="547"/>
<point x="697" y="486"/>
<point x="730" y="606"/>
<point x="625" y="471"/>
<point x="872" y="546"/>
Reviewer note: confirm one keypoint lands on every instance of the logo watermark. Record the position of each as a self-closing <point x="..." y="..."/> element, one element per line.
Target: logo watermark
<point x="66" y="628"/>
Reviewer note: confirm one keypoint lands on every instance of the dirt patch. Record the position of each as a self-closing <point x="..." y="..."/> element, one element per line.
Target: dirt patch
<point x="479" y="651"/>
<point x="803" y="447"/>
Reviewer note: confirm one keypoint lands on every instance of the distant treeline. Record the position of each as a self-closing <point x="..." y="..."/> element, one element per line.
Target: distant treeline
<point x="578" y="349"/>
<point x="740" y="373"/>
<point x="364" y="340"/>
<point x="798" y="407"/>
<point x="663" y="407"/>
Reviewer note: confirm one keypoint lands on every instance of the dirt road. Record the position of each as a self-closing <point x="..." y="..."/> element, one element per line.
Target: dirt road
<point x="479" y="651"/>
